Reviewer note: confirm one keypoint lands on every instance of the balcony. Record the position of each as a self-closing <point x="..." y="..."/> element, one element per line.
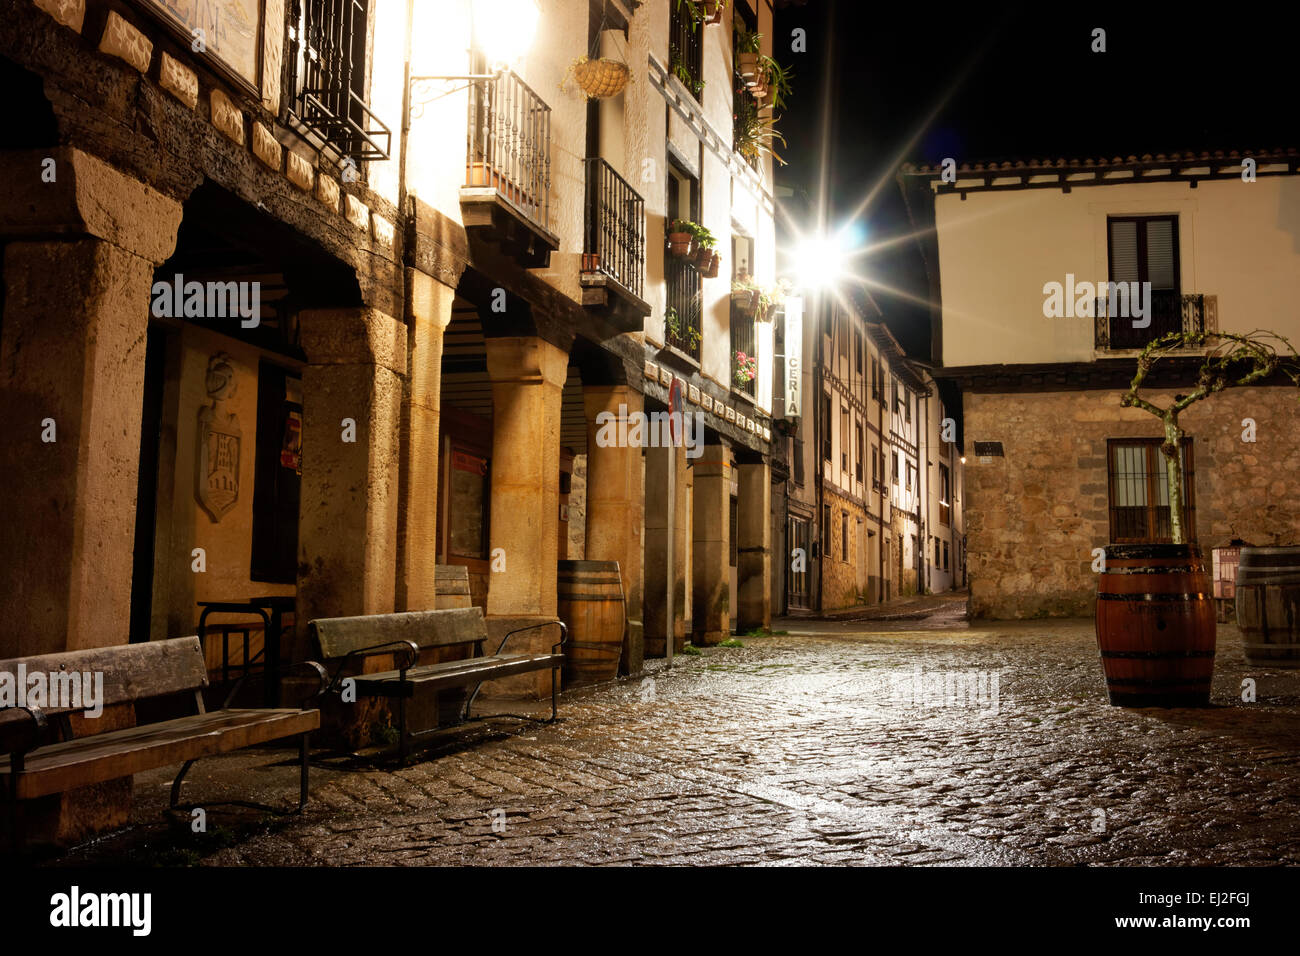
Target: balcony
<point x="744" y="362"/>
<point x="1170" y="312"/>
<point x="326" y="72"/>
<point x="613" y="250"/>
<point x="506" y="198"/>
<point x="684" y="313"/>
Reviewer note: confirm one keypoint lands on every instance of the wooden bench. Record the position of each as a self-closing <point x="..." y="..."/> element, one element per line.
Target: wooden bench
<point x="404" y="634"/>
<point x="42" y="757"/>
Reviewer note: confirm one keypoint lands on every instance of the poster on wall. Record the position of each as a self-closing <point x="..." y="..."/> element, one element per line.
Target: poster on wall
<point x="468" y="537"/>
<point x="230" y="30"/>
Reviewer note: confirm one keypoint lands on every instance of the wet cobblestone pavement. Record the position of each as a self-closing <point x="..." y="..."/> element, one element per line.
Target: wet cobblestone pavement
<point x="812" y="748"/>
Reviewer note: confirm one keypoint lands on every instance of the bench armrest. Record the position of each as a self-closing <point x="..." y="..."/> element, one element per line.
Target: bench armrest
<point x="19" y="736"/>
<point x="412" y="658"/>
<point x="555" y="649"/>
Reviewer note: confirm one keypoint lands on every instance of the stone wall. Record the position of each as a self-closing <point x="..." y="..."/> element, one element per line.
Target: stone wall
<point x="1035" y="515"/>
<point x="845" y="584"/>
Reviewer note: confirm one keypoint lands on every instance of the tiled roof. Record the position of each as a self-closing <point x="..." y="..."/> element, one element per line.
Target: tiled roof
<point x="1280" y="155"/>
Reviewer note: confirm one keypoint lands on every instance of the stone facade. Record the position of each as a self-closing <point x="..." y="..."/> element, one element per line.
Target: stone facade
<point x="846" y="581"/>
<point x="1035" y="516"/>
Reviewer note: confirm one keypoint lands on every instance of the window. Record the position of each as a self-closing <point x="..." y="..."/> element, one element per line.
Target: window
<point x="1143" y="249"/>
<point x="844" y="536"/>
<point x="875" y="467"/>
<point x="861" y="453"/>
<point x="911" y="469"/>
<point x="686" y="49"/>
<point x="908" y="399"/>
<point x="826" y="528"/>
<point x="1139" y="494"/>
<point x="877" y="384"/>
<point x="683" y="324"/>
<point x="469" y="504"/>
<point x="945" y="555"/>
<point x="844" y="439"/>
<point x="798" y="461"/>
<point x="826" y="428"/>
<point x="857" y="351"/>
<point x="327" y="77"/>
<point x="898" y="472"/>
<point x="937" y="554"/>
<point x="945" y="501"/>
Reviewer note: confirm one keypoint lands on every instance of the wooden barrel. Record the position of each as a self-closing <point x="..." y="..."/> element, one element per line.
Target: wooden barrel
<point x="1155" y="625"/>
<point x="451" y="586"/>
<point x="591" y="605"/>
<point x="1268" y="605"/>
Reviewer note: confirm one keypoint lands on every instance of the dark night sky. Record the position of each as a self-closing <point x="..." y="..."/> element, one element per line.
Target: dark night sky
<point x="1025" y="84"/>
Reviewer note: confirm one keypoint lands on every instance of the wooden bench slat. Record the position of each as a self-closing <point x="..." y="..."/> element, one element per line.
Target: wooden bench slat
<point x="340" y="636"/>
<point x="122" y="753"/>
<point x="131" y="671"/>
<point x="454" y="673"/>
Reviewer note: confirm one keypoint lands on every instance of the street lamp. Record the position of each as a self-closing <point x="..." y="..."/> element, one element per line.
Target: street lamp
<point x="821" y="261"/>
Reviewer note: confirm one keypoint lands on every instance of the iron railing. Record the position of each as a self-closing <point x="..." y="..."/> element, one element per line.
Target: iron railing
<point x="742" y="343"/>
<point x="614" y="231"/>
<point x="509" y="149"/>
<point x="686" y="50"/>
<point x="684" y="314"/>
<point x="1170" y="312"/>
<point x="327" y="56"/>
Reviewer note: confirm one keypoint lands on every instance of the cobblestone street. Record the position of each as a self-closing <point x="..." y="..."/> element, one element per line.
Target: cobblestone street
<point x="812" y="747"/>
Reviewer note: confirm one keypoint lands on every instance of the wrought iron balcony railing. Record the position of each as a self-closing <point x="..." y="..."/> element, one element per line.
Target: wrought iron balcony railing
<point x="327" y="43"/>
<point x="614" y="231"/>
<point x="509" y="148"/>
<point x="1170" y="312"/>
<point x="743" y="357"/>
<point x="682" y="323"/>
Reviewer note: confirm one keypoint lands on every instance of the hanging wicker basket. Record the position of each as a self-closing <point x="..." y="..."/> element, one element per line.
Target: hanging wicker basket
<point x="601" y="78"/>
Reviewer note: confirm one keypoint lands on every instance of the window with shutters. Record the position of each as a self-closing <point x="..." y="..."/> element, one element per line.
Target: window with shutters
<point x="844" y="439"/>
<point x="1142" y="249"/>
<point x="1139" y="493"/>
<point x="826" y="428"/>
<point x="861" y="453"/>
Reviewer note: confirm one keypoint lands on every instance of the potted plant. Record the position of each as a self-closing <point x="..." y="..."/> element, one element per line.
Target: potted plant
<point x="601" y="78"/>
<point x="748" y="46"/>
<point x="678" y="68"/>
<point x="678" y="332"/>
<point x="1155" y="618"/>
<point x="751" y="134"/>
<point x="706" y="11"/>
<point x="744" y="368"/>
<point x="774" y="81"/>
<point x="681" y="236"/>
<point x="745" y="293"/>
<point x="705" y="243"/>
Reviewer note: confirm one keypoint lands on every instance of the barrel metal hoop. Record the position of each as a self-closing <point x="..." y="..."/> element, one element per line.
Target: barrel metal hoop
<point x="1156" y="655"/>
<point x="1196" y="596"/>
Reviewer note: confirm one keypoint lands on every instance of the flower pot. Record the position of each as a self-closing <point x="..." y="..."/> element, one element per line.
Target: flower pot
<point x="711" y="270"/>
<point x="590" y="262"/>
<point x="1268" y="587"/>
<point x="746" y="300"/>
<point x="1155" y="625"/>
<point x="601" y="78"/>
<point x="702" y="257"/>
<point x="679" y="243"/>
<point x="712" y="11"/>
<point x="747" y="64"/>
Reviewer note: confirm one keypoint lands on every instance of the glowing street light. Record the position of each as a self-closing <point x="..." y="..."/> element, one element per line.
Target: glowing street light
<point x="820" y="262"/>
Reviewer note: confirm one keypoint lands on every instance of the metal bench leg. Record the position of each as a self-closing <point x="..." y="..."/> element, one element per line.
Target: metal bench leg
<point x="302" y="774"/>
<point x="176" y="784"/>
<point x="401" y="729"/>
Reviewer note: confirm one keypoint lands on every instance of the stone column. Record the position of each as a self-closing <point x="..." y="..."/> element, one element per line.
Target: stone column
<point x="347" y="525"/>
<point x="429" y="307"/>
<point x="615" y="505"/>
<point x="657" y="507"/>
<point x="528" y="377"/>
<point x="754" y="545"/>
<point x="72" y="358"/>
<point x="711" y="554"/>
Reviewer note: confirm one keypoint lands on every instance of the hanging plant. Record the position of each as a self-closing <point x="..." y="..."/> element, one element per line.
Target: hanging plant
<point x="681" y="237"/>
<point x="702" y="11"/>
<point x="599" y="79"/>
<point x="744" y="369"/>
